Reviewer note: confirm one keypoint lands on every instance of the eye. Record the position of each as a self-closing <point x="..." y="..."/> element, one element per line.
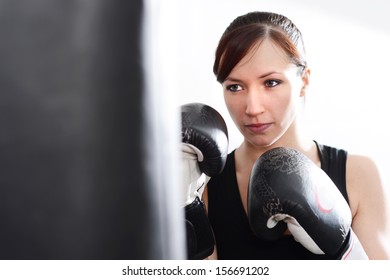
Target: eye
<point x="234" y="88"/>
<point x="271" y="83"/>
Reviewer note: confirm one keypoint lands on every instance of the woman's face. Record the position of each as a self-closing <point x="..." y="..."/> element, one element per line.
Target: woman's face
<point x="263" y="93"/>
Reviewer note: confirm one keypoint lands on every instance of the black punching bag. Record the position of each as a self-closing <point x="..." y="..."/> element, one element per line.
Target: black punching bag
<point x="77" y="168"/>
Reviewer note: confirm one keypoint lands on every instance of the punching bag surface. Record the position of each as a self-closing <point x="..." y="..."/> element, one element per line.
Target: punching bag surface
<point x="74" y="183"/>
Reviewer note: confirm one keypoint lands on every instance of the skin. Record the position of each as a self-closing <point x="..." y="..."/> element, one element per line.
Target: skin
<point x="264" y="94"/>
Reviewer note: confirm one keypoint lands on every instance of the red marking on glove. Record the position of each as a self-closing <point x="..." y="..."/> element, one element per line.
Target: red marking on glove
<point x="320" y="206"/>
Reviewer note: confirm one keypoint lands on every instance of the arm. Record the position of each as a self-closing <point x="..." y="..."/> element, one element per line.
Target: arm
<point x="370" y="205"/>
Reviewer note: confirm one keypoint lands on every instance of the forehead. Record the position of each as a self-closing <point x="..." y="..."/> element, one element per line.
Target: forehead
<point x="263" y="56"/>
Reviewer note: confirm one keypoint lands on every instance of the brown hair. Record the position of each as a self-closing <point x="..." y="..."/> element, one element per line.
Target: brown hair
<point x="246" y="30"/>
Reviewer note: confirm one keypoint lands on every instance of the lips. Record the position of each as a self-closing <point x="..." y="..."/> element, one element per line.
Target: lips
<point x="258" y="127"/>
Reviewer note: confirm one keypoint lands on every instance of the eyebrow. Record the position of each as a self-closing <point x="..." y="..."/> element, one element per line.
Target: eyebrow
<point x="232" y="79"/>
<point x="269" y="74"/>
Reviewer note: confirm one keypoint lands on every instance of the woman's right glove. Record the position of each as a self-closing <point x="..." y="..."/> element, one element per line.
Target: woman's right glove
<point x="204" y="151"/>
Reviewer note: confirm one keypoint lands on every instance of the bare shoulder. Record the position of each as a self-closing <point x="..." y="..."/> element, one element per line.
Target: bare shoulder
<point x="364" y="183"/>
<point x="363" y="175"/>
<point x="361" y="163"/>
<point x="369" y="202"/>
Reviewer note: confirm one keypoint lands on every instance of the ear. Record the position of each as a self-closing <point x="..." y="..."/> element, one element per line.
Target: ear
<point x="305" y="81"/>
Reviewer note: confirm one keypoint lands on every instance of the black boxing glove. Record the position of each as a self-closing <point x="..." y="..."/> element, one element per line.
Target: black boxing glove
<point x="287" y="186"/>
<point x="204" y="152"/>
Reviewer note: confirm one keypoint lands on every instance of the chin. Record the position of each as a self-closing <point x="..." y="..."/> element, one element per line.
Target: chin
<point x="264" y="143"/>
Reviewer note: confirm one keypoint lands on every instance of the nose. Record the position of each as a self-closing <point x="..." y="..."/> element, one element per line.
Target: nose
<point x="255" y="102"/>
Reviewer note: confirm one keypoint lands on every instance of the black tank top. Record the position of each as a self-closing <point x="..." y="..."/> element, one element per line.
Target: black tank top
<point x="234" y="238"/>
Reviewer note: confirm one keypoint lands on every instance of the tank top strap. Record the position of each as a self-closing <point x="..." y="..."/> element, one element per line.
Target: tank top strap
<point x="333" y="162"/>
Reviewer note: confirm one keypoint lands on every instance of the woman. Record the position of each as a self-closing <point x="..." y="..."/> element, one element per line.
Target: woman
<point x="260" y="62"/>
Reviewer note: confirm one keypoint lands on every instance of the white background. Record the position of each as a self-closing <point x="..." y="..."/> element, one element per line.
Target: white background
<point x="347" y="44"/>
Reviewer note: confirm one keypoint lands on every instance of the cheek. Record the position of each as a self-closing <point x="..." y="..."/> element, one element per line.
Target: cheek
<point x="291" y="96"/>
<point x="233" y="106"/>
<point x="228" y="102"/>
<point x="297" y="86"/>
<point x="288" y="110"/>
<point x="283" y="106"/>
